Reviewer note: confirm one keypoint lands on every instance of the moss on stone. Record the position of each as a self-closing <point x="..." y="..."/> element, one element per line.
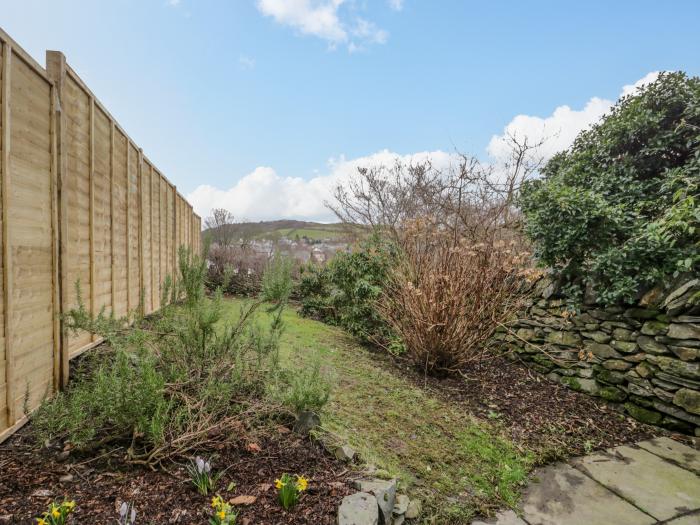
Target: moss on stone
<point x="572" y="382"/>
<point x="613" y="394"/>
<point x="610" y="376"/>
<point x="642" y="414"/>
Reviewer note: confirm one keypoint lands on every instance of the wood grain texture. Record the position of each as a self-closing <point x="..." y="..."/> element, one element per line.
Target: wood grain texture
<point x="79" y="204"/>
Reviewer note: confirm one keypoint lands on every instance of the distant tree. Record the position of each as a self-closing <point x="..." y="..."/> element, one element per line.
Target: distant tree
<point x="470" y="198"/>
<point x="219" y="225"/>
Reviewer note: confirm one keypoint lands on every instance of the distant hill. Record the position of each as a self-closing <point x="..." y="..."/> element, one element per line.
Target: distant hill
<point x="273" y="230"/>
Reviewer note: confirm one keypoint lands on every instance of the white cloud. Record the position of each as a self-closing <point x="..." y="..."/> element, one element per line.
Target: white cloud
<point x="646" y="79"/>
<point x="322" y="18"/>
<point x="264" y="194"/>
<point x="561" y="127"/>
<point x="246" y="62"/>
<point x="173" y="3"/>
<point x="396" y="5"/>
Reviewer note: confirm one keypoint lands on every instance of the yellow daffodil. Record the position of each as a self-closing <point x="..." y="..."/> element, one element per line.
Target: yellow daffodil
<point x="221" y="514"/>
<point x="55" y="512"/>
<point x="70" y="505"/>
<point x="302" y="483"/>
<point x="216" y="501"/>
<point x="279" y="484"/>
<point x="41" y="521"/>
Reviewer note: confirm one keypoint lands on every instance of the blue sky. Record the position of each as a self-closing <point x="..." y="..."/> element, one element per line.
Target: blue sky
<point x="262" y="105"/>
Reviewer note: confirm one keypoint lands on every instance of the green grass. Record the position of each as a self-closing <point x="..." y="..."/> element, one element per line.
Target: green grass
<point x="456" y="464"/>
<point x="316" y="234"/>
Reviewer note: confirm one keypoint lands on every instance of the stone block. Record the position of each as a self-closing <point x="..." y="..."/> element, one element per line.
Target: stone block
<point x="616" y="364"/>
<point x="601" y="350"/>
<point x="563" y="338"/>
<point x="674" y="366"/>
<point x="684" y="331"/>
<point x="688" y="399"/>
<point x="610" y="376"/>
<point x="611" y="393"/>
<point x="654" y="327"/>
<point x="622" y="334"/>
<point x="651" y="345"/>
<point x="685" y="353"/>
<point x="597" y="336"/>
<point x="624" y="346"/>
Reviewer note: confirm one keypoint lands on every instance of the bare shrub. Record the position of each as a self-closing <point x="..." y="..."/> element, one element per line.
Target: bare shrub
<point x="461" y="249"/>
<point x="219" y="226"/>
<point x="238" y="269"/>
<point x="469" y="197"/>
<point x="447" y="295"/>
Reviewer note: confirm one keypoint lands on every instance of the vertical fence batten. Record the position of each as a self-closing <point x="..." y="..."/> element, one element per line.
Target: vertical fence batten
<point x="55" y="239"/>
<point x="69" y="179"/>
<point x="91" y="205"/>
<point x="6" y="256"/>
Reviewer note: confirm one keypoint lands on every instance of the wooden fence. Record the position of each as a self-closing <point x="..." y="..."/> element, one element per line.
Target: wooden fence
<point x="80" y="203"/>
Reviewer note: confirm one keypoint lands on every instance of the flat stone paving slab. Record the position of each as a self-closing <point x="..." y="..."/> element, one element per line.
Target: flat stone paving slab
<point x="686" y="457"/>
<point x="565" y="496"/>
<point x="506" y="517"/>
<point x="652" y="484"/>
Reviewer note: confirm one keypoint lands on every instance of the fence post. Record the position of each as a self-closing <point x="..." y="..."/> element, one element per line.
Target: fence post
<point x="113" y="284"/>
<point x="6" y="255"/>
<point x="142" y="294"/>
<point x="91" y="150"/>
<point x="56" y="69"/>
<point x="55" y="239"/>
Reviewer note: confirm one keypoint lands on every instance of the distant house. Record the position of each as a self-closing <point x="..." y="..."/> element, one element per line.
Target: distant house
<point x="318" y="255"/>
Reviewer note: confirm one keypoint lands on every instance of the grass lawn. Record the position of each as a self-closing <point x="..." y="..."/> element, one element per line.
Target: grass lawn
<point x="456" y="464"/>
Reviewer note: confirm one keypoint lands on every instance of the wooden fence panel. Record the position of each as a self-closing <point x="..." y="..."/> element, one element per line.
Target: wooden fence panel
<point x="78" y="203"/>
<point x="31" y="238"/>
<point x="27" y="146"/>
<point x="75" y="104"/>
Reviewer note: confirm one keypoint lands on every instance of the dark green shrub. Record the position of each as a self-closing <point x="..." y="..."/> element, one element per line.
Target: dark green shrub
<point x="345" y="291"/>
<point x="618" y="211"/>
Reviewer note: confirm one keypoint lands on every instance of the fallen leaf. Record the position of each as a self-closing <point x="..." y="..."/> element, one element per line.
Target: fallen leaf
<point x="253" y="447"/>
<point x="264" y="487"/>
<point x="242" y="500"/>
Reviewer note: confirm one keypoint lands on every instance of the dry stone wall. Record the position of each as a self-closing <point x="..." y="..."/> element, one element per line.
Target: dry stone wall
<point x="646" y="357"/>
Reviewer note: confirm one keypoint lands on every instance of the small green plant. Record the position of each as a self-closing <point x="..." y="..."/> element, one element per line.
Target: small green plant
<point x="277" y="279"/>
<point x="303" y="388"/>
<point x="57" y="514"/>
<point x="127" y="514"/>
<point x="289" y="489"/>
<point x="223" y="513"/>
<point x="201" y="475"/>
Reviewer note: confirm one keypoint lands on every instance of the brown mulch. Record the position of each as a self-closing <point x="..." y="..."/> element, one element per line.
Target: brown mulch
<point x="543" y="416"/>
<point x="30" y="480"/>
